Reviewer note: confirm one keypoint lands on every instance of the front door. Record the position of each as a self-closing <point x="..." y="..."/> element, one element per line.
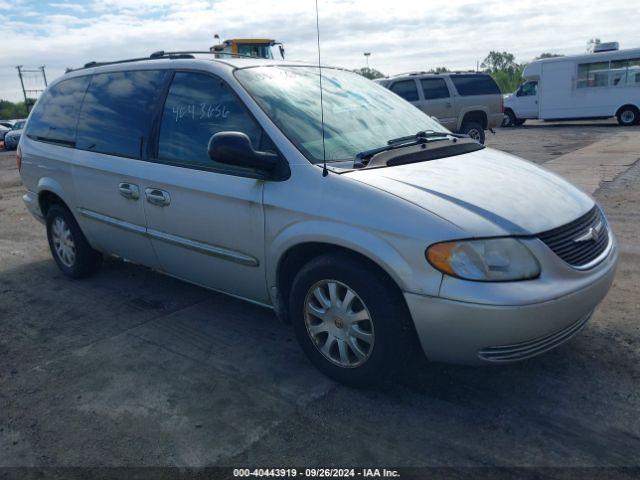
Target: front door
<point x="438" y="102"/>
<point x="527" y="100"/>
<point x="205" y="219"/>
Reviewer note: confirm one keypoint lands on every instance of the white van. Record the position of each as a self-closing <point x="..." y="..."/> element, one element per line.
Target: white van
<point x="596" y="85"/>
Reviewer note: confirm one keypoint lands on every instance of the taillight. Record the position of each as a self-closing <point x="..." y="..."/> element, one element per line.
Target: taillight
<point x="19" y="157"/>
<point x="502" y="104"/>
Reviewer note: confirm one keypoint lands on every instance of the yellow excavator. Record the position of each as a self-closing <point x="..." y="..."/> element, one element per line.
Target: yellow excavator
<point x="247" y="47"/>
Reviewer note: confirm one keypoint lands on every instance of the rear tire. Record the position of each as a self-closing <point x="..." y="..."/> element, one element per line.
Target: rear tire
<point x="364" y="342"/>
<point x="628" y="116"/>
<point x="474" y="130"/>
<point x="520" y="121"/>
<point x="69" y="247"/>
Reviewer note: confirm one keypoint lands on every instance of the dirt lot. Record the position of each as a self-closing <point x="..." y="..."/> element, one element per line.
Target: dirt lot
<point x="134" y="368"/>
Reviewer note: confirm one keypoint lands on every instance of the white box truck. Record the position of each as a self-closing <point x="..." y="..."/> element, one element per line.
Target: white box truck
<point x="602" y="84"/>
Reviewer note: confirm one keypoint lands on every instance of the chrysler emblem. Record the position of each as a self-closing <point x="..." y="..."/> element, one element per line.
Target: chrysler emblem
<point x="592" y="234"/>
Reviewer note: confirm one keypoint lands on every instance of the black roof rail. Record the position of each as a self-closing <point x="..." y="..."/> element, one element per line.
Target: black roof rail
<point x="159" y="55"/>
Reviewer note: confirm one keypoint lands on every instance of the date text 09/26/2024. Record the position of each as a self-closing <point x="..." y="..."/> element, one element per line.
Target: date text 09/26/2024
<point x="317" y="472"/>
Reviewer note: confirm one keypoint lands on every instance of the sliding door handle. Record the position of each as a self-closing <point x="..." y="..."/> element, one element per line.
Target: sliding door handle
<point x="157" y="197"/>
<point x="129" y="190"/>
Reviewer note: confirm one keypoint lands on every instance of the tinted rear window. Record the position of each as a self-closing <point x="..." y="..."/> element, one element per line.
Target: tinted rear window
<point x="56" y="114"/>
<point x="117" y="112"/>
<point x="434" y="88"/>
<point x="475" y="85"/>
<point x="406" y="89"/>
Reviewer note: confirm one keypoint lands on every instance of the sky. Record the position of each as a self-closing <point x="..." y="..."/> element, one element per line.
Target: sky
<point x="402" y="35"/>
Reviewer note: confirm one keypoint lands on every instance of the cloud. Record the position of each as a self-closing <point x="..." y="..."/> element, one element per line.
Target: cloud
<point x="72" y="7"/>
<point x="402" y="35"/>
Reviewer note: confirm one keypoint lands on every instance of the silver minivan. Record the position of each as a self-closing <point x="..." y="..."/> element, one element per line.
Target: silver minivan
<point x="355" y="216"/>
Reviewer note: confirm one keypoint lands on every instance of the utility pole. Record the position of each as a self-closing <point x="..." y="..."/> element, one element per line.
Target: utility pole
<point x="24" y="92"/>
<point x="44" y="76"/>
<point x="367" y="55"/>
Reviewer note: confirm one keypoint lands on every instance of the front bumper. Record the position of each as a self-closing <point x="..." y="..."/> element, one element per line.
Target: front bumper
<point x="455" y="331"/>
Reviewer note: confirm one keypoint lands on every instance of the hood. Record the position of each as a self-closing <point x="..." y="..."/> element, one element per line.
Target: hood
<point x="484" y="193"/>
<point x="508" y="98"/>
<point x="14" y="133"/>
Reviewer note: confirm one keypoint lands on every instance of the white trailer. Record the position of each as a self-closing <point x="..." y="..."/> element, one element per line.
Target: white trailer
<point x="603" y="84"/>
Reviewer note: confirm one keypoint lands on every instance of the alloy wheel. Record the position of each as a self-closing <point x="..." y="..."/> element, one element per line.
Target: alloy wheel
<point x="63" y="242"/>
<point x="475" y="134"/>
<point x="339" y="323"/>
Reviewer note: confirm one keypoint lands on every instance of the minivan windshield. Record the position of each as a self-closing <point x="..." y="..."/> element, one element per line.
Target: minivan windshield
<point x="359" y="114"/>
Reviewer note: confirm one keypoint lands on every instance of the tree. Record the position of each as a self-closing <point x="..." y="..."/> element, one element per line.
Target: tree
<point x="500" y="61"/>
<point x="503" y="68"/>
<point x="10" y="110"/>
<point x="370" y="73"/>
<point x="548" y="55"/>
<point x="439" y="70"/>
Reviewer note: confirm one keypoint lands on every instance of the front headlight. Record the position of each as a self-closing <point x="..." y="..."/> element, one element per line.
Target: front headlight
<point x="488" y="260"/>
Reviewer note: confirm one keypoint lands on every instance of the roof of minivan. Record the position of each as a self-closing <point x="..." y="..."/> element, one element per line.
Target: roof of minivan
<point x="168" y="62"/>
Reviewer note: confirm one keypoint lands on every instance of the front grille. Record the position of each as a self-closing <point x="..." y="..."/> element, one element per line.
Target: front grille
<point x="562" y="240"/>
<point x="531" y="348"/>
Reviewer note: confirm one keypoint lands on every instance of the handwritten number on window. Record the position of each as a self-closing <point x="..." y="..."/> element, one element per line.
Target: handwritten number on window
<point x="205" y="111"/>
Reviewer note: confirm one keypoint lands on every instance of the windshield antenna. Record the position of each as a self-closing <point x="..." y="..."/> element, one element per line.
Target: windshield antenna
<point x="325" y="172"/>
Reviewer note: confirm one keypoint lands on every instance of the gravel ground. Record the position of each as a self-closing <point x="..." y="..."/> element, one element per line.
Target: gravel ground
<point x="540" y="141"/>
<point x="134" y="368"/>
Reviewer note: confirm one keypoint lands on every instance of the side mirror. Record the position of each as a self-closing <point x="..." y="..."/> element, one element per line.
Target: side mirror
<point x="234" y="148"/>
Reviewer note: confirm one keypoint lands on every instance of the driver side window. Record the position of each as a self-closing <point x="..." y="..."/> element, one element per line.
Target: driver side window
<point x="198" y="106"/>
<point x="528" y="89"/>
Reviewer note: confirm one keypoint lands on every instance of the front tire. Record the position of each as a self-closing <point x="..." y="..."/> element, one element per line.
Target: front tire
<point x="350" y="320"/>
<point x="628" y="116"/>
<point x="69" y="247"/>
<point x="474" y="130"/>
<point x="509" y="119"/>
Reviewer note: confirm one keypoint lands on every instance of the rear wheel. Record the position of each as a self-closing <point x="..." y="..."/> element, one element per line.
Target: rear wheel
<point x="474" y="130"/>
<point x="350" y="320"/>
<point x="69" y="247"/>
<point x="628" y="116"/>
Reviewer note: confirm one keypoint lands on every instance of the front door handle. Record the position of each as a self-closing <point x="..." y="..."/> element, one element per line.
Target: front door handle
<point x="129" y="190"/>
<point x="448" y="104"/>
<point x="157" y="197"/>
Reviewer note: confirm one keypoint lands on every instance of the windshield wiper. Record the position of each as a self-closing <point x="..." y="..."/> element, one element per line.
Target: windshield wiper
<point x="424" y="135"/>
<point x="417" y="139"/>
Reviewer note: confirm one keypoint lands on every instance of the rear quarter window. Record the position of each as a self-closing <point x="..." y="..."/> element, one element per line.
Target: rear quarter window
<point x="467" y="85"/>
<point x="55" y="116"/>
<point x="434" y="88"/>
<point x="118" y="110"/>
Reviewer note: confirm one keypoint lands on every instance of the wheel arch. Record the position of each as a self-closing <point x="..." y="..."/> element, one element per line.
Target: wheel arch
<point x="298" y="250"/>
<point x="631" y="105"/>
<point x="475" y="114"/>
<point x="50" y="192"/>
